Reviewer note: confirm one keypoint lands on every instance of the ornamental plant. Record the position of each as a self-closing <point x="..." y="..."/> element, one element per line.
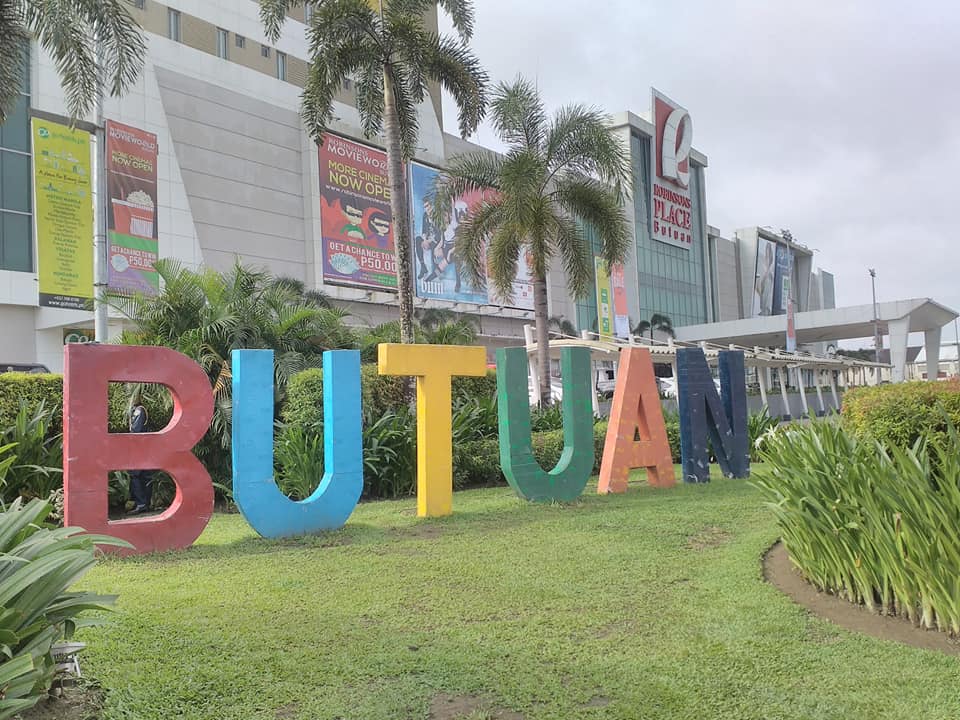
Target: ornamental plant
<point x="876" y="525"/>
<point x="37" y="566"/>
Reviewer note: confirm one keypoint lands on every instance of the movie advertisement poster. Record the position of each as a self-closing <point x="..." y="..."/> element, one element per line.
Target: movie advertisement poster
<point x="765" y="276"/>
<point x="437" y="273"/>
<point x="132" y="226"/>
<point x="355" y="219"/>
<point x="671" y="204"/>
<point x="783" y="282"/>
<point x="63" y="214"/>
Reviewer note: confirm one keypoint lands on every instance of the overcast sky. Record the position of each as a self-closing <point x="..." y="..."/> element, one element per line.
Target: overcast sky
<point x="838" y="119"/>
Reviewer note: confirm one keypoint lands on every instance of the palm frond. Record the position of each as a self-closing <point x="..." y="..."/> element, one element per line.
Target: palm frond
<point x="459" y="72"/>
<point x="518" y="114"/>
<point x="576" y="254"/>
<point x="579" y="141"/>
<point x="597" y="205"/>
<point x="472" y="237"/>
<point x="13" y="55"/>
<point x="273" y="14"/>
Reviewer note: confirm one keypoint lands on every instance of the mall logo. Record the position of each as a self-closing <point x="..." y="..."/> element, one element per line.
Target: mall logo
<point x="671" y="203"/>
<point x="676" y="142"/>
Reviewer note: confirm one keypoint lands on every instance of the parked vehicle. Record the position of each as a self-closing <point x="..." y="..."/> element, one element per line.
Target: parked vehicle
<point x="33" y="368"/>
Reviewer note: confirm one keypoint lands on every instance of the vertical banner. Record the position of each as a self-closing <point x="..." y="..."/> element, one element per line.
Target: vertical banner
<point x="436" y="270"/>
<point x="604" y="299"/>
<point x="132" y="210"/>
<point x="765" y="276"/>
<point x="621" y="318"/>
<point x="64" y="214"/>
<point x="783" y="282"/>
<point x="791" y="327"/>
<point x="356" y="223"/>
<point x="670" y="188"/>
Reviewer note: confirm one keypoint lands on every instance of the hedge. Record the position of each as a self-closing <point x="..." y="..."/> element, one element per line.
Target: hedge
<point x="33" y="388"/>
<point x="898" y="415"/>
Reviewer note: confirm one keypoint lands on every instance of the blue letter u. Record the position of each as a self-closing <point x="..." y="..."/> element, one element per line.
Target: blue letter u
<point x="269" y="511"/>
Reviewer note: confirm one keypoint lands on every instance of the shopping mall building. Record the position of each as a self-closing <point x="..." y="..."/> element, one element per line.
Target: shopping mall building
<point x="210" y="163"/>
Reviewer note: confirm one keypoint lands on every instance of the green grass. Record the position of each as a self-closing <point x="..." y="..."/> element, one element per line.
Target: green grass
<point x="644" y="605"/>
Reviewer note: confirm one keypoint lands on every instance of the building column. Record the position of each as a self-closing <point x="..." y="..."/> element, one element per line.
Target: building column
<point x="818" y="376"/>
<point x="833" y="391"/>
<point x="782" y="374"/>
<point x="803" y="391"/>
<point x="762" y="380"/>
<point x="528" y="338"/>
<point x="932" y="343"/>
<point x="899" y="333"/>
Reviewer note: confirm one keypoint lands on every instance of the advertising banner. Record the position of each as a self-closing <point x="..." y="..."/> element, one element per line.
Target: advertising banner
<point x="356" y="224"/>
<point x="64" y="214"/>
<point x="78" y="335"/>
<point x="791" y="328"/>
<point x="782" y="284"/>
<point x="621" y="319"/>
<point x="436" y="270"/>
<point x="132" y="227"/>
<point x="670" y="189"/>
<point x="765" y="276"/>
<point x="604" y="299"/>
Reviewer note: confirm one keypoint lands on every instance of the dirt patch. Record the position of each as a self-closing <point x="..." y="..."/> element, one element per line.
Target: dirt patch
<point x="597" y="701"/>
<point x="781" y="573"/>
<point x="290" y="710"/>
<point x="710" y="537"/>
<point x="82" y="702"/>
<point x="424" y="531"/>
<point x="468" y="707"/>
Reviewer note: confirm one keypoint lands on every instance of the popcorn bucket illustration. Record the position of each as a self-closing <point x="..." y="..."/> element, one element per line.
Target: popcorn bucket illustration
<point x="132" y="219"/>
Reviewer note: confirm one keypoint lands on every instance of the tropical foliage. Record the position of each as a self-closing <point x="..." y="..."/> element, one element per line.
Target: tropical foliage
<point x="393" y="56"/>
<point x="902" y="413"/>
<point x="656" y="323"/>
<point x="71" y="32"/>
<point x="875" y="524"/>
<point x="37" y="567"/>
<point x="558" y="175"/>
<point x="38" y="444"/>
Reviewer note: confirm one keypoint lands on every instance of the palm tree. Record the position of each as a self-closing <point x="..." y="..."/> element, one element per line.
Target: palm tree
<point x="657" y="322"/>
<point x="71" y="32"/>
<point x="384" y="45"/>
<point x="205" y="315"/>
<point x="557" y="173"/>
<point x="564" y="327"/>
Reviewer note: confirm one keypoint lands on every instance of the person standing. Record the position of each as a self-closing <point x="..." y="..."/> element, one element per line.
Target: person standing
<point x="141" y="484"/>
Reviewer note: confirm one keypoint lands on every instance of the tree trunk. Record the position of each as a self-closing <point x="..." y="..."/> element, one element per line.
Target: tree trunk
<point x="543" y="338"/>
<point x="398" y="208"/>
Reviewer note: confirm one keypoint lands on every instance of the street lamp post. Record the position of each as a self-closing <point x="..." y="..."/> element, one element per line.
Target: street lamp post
<point x="876" y="321"/>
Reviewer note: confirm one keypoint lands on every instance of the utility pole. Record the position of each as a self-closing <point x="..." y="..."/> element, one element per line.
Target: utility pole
<point x="876" y="321"/>
<point x="100" y="272"/>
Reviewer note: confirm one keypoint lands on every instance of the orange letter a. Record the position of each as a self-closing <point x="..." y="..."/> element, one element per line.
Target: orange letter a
<point x="636" y="412"/>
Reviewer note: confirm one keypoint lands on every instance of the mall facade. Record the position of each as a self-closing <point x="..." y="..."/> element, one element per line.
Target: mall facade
<point x="209" y="163"/>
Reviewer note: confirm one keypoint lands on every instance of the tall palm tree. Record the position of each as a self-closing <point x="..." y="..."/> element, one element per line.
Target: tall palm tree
<point x="71" y="32"/>
<point x="557" y="174"/>
<point x="657" y="322"/>
<point x="385" y="46"/>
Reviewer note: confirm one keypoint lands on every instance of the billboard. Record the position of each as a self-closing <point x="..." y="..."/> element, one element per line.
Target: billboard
<point x="783" y="281"/>
<point x="64" y="215"/>
<point x="764" y="279"/>
<point x="670" y="190"/>
<point x="604" y="299"/>
<point x="356" y="224"/>
<point x="621" y="319"/>
<point x="132" y="226"/>
<point x="791" y="327"/>
<point x="437" y="274"/>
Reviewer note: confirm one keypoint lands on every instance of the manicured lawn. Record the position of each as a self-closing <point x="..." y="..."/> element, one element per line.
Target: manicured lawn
<point x="645" y="605"/>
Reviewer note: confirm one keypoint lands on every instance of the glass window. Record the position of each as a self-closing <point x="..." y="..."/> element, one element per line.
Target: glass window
<point x="16" y="242"/>
<point x="223" y="42"/>
<point x="173" y="24"/>
<point x="14" y="181"/>
<point x="308" y="13"/>
<point x="15" y="134"/>
<point x="240" y="40"/>
<point x="281" y="65"/>
<point x="264" y="51"/>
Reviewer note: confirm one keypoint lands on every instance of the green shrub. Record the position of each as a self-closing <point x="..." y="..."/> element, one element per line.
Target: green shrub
<point x="876" y="525"/>
<point x="672" y="421"/>
<point x="37" y="471"/>
<point x="898" y="415"/>
<point x="760" y="426"/>
<point x="298" y="457"/>
<point x="37" y="566"/>
<point x="304" y="401"/>
<point x="32" y="389"/>
<point x="476" y="387"/>
<point x="390" y="455"/>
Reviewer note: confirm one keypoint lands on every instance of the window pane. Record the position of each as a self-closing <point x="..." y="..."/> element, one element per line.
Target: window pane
<point x="15" y="133"/>
<point x="15" y="171"/>
<point x="15" y="242"/>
